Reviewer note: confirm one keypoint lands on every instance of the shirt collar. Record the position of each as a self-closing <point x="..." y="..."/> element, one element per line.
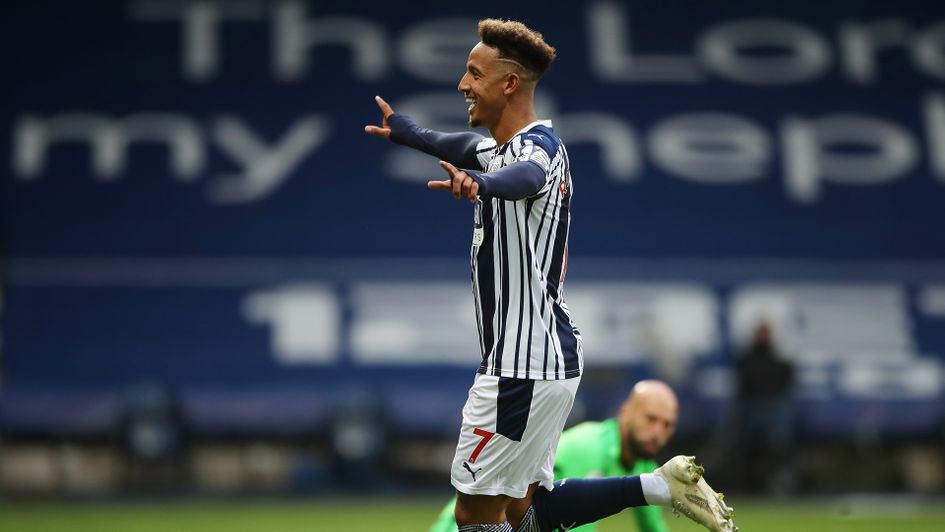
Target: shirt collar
<point x="546" y="123"/>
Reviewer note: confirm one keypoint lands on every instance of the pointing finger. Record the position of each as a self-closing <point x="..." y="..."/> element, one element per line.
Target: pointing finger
<point x="439" y="185"/>
<point x="385" y="107"/>
<point x="383" y="132"/>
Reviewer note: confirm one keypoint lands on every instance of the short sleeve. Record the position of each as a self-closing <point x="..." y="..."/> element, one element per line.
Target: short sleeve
<point x="537" y="148"/>
<point x="484" y="152"/>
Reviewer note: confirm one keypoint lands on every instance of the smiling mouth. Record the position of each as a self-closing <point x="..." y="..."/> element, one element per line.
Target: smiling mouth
<point x="471" y="102"/>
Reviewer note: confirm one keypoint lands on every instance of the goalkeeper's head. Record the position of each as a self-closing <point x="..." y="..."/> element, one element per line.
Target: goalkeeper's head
<point x="647" y="420"/>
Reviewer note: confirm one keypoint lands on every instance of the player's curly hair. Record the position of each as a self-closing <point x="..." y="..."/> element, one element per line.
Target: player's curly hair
<point x="517" y="42"/>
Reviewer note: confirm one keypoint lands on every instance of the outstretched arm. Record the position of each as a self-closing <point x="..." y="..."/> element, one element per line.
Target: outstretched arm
<point x="513" y="182"/>
<point x="457" y="148"/>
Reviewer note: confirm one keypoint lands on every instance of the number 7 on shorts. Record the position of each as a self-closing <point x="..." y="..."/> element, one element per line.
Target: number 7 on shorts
<point x="486" y="436"/>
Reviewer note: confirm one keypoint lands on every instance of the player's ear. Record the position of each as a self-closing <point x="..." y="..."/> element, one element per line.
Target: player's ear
<point x="512" y="82"/>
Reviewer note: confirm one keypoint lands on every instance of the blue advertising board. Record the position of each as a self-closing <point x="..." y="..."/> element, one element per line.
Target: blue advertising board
<point x="190" y="199"/>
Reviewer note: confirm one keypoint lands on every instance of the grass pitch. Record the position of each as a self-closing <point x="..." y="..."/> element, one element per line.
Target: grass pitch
<point x="414" y="515"/>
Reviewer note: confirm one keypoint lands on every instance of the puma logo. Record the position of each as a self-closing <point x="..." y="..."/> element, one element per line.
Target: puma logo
<point x="471" y="472"/>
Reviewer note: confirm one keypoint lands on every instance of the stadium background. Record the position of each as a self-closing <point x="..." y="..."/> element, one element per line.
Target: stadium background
<point x="215" y="284"/>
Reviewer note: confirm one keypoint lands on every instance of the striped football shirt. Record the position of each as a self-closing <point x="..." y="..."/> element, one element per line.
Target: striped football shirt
<point x="519" y="259"/>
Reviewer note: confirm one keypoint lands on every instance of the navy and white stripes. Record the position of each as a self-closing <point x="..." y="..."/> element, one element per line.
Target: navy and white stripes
<point x="520" y="262"/>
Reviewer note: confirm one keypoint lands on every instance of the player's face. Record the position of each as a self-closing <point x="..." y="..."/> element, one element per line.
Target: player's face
<point x="483" y="85"/>
<point x="648" y="424"/>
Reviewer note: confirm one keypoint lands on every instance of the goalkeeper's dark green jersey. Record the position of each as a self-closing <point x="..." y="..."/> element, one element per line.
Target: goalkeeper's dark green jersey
<point x="591" y="449"/>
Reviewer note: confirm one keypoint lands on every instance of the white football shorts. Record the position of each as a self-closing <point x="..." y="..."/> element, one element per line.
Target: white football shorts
<point x="510" y="434"/>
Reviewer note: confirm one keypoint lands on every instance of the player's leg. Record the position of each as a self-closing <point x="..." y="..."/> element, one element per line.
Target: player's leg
<point x="519" y="511"/>
<point x="475" y="513"/>
<point x="551" y="406"/>
<point x="579" y="501"/>
<point x="488" y="445"/>
<point x="677" y="484"/>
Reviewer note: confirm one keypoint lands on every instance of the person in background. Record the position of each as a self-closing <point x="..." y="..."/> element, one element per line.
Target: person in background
<point x="765" y="431"/>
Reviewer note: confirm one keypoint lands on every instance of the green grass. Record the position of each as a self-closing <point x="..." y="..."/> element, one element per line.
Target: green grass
<point x="414" y="515"/>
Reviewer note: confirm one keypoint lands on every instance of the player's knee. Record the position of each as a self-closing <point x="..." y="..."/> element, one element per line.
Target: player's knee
<point x="517" y="507"/>
<point x="480" y="509"/>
